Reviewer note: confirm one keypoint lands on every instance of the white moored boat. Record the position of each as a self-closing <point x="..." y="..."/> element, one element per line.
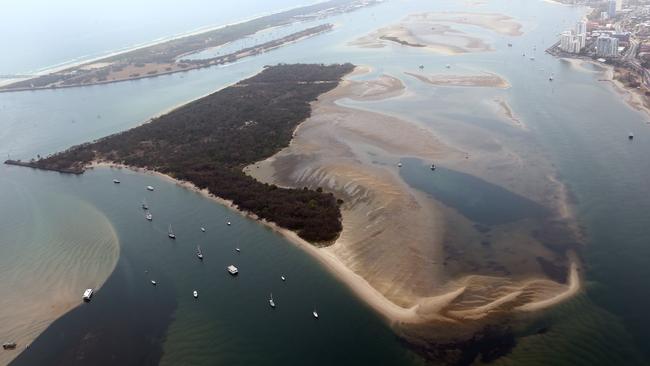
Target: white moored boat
<point x="199" y="253"/>
<point x="149" y="188"/>
<point x="148" y="216"/>
<point x="232" y="270"/>
<point x="88" y="294"/>
<point x="154" y="282"/>
<point x="315" y="314"/>
<point x="116" y="181"/>
<point x="203" y="229"/>
<point x="196" y="294"/>
<point x="170" y="232"/>
<point x="271" y="302"/>
<point x="283" y="278"/>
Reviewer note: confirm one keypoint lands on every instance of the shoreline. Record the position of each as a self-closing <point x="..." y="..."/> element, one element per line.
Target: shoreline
<point x="72" y="64"/>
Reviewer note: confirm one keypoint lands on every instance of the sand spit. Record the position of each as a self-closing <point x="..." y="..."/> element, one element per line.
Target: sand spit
<point x="486" y="80"/>
<point x="506" y="110"/>
<point x="413" y="259"/>
<point x="58" y="262"/>
<point x="439" y="32"/>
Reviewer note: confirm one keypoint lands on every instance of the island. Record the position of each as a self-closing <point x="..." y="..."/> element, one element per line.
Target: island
<point x="174" y="55"/>
<point x="209" y="141"/>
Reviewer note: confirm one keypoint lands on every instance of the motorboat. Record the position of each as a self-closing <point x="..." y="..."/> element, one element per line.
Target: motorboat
<point x="237" y="250"/>
<point x="170" y="232"/>
<point x="433" y="166"/>
<point x="199" y="253"/>
<point x="196" y="294"/>
<point x="154" y="282"/>
<point x="399" y="165"/>
<point x="88" y="294"/>
<point x="148" y="216"/>
<point x="149" y="188"/>
<point x="203" y="229"/>
<point x="283" y="278"/>
<point x="228" y="223"/>
<point x="232" y="270"/>
<point x="116" y="181"/>
<point x="315" y="314"/>
<point x="271" y="302"/>
<point x="630" y="136"/>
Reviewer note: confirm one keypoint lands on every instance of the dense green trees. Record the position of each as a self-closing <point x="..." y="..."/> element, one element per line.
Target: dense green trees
<point x="210" y="140"/>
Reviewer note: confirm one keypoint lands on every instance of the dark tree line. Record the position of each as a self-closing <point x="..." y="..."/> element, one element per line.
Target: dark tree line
<point x="209" y="141"/>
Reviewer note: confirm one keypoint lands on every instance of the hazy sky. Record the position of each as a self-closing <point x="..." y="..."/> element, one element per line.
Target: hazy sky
<point x="36" y="34"/>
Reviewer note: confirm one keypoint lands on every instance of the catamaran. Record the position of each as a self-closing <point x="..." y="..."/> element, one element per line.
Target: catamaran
<point x="271" y="302"/>
<point x="199" y="253"/>
<point x="170" y="232"/>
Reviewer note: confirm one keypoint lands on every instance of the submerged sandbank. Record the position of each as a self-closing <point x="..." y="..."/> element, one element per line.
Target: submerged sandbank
<point x="61" y="256"/>
<point x="413" y="259"/>
<point x="440" y="32"/>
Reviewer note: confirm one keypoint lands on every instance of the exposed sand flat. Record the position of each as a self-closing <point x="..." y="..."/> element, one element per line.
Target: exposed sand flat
<point x="485" y="80"/>
<point x="413" y="259"/>
<point x="439" y="32"/>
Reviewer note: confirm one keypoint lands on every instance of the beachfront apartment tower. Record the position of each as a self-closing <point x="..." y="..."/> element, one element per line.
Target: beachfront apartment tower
<point x="611" y="8"/>
<point x="606" y="46"/>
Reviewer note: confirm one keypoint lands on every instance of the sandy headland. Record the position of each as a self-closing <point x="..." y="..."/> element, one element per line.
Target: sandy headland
<point x="443" y="33"/>
<point x="418" y="262"/>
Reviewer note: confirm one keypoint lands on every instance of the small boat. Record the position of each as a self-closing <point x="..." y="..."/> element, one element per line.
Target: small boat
<point x="148" y="216"/>
<point x="232" y="270"/>
<point x="283" y="278"/>
<point x="170" y="232"/>
<point x="509" y="44"/>
<point x="532" y="58"/>
<point x="88" y="294"/>
<point x="271" y="302"/>
<point x="149" y="188"/>
<point x="153" y="282"/>
<point x="9" y="345"/>
<point x="630" y="136"/>
<point x="523" y="54"/>
<point x="144" y="205"/>
<point x="433" y="166"/>
<point x="228" y="223"/>
<point x="550" y="78"/>
<point x="421" y="67"/>
<point x="196" y="294"/>
<point x="116" y="181"/>
<point x="237" y="250"/>
<point x="199" y="253"/>
<point x="448" y="66"/>
<point x="203" y="229"/>
<point x="399" y="165"/>
<point x="315" y="314"/>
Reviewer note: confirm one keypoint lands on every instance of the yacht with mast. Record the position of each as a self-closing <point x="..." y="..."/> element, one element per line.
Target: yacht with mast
<point x="170" y="232"/>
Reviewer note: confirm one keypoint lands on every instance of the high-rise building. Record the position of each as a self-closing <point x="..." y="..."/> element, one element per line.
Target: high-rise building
<point x="611" y="8"/>
<point x="581" y="32"/>
<point x="619" y="5"/>
<point x="606" y="46"/>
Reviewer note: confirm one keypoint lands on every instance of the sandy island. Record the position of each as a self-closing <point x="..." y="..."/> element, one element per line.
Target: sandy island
<point x="439" y="32"/>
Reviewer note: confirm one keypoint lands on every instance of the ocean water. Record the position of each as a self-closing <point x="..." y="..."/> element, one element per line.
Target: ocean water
<point x="580" y="123"/>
